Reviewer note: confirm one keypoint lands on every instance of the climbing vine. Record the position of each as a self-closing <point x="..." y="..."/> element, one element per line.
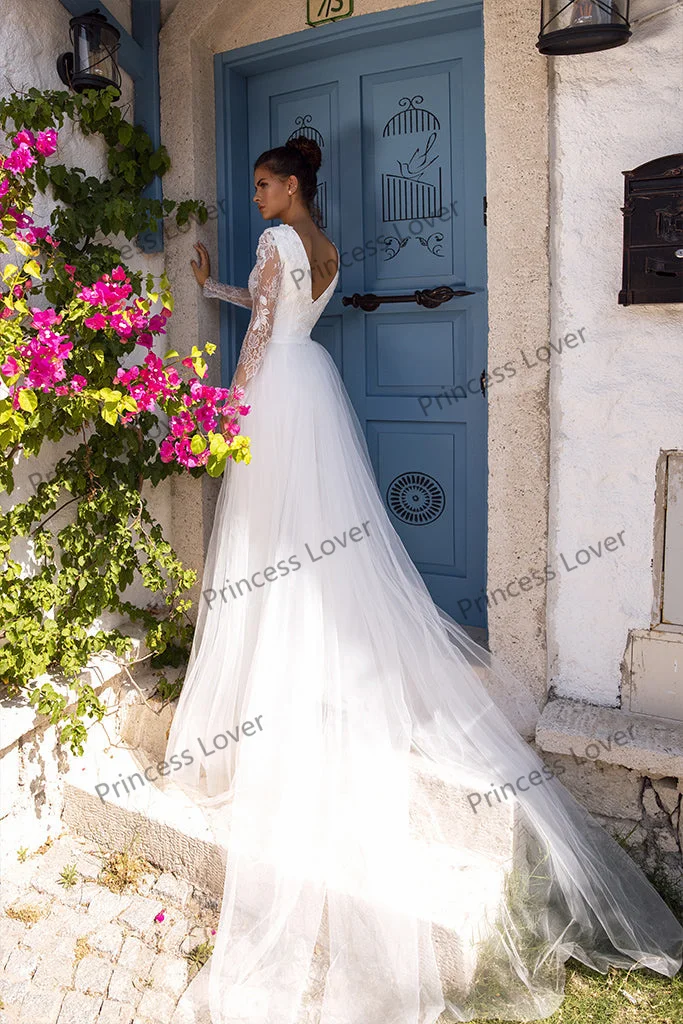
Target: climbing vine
<point x="77" y="362"/>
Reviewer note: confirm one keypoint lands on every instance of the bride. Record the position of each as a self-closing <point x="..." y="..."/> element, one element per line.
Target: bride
<point x="397" y="853"/>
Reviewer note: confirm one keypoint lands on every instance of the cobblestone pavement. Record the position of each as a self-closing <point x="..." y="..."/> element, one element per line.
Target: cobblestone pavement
<point x="85" y="954"/>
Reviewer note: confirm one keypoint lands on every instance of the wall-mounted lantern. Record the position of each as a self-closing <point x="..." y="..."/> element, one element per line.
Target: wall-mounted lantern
<point x="653" y="232"/>
<point x="91" y="64"/>
<point x="582" y="26"/>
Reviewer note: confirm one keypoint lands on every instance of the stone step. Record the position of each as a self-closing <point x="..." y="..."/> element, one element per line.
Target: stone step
<point x="460" y="857"/>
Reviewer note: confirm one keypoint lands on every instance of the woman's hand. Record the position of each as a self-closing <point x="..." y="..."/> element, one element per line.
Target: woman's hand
<point x="202" y="270"/>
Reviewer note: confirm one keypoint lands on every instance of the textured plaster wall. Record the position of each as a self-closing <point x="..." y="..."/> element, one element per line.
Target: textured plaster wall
<point x="31" y="38"/>
<point x="616" y="400"/>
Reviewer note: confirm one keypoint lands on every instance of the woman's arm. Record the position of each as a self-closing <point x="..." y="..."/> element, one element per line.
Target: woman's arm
<point x="212" y="288"/>
<point x="269" y="270"/>
<point x="230" y="293"/>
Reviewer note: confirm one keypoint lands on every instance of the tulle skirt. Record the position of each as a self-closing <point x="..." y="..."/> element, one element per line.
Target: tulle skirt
<point x="397" y="852"/>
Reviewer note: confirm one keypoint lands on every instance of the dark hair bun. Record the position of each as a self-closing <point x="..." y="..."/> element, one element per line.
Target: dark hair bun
<point x="309" y="149"/>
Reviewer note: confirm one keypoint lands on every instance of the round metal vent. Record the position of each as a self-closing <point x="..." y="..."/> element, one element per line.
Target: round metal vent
<point x="416" y="498"/>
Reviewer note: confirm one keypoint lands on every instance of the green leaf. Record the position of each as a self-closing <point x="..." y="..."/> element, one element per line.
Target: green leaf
<point x="197" y="444"/>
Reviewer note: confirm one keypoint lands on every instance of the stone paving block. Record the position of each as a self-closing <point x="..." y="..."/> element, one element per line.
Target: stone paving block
<point x="71" y="896"/>
<point x="172" y="889"/>
<point x="113" y="1012"/>
<point x="13" y="989"/>
<point x="125" y="986"/>
<point x="93" y="974"/>
<point x="21" y="963"/>
<point x="105" y="905"/>
<point x="155" y="1007"/>
<point x="54" y="969"/>
<point x="140" y="913"/>
<point x="41" y="1007"/>
<point x="168" y="935"/>
<point x="136" y="956"/>
<point x="169" y="973"/>
<point x="77" y="1008"/>
<point x="107" y="939"/>
<point x="89" y="866"/>
<point x="63" y="851"/>
<point x="56" y="932"/>
<point x="11" y="931"/>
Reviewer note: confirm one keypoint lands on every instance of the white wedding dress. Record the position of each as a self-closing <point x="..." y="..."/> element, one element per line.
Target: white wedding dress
<point x="377" y="872"/>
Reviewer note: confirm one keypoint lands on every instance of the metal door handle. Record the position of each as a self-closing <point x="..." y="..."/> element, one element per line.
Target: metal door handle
<point x="428" y="297"/>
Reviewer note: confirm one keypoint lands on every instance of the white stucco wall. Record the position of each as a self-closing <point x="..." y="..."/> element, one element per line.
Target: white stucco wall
<point x="31" y="38"/>
<point x="616" y="400"/>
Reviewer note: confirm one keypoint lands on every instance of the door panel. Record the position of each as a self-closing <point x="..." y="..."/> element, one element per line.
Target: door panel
<point x="401" y="130"/>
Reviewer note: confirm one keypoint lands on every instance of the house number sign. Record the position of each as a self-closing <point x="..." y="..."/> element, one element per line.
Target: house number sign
<point x="321" y="11"/>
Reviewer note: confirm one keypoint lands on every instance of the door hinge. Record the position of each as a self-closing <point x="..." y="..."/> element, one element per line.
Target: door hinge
<point x="484" y="205"/>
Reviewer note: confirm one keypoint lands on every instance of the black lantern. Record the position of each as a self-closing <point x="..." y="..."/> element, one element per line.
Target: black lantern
<point x="583" y="26"/>
<point x="92" y="64"/>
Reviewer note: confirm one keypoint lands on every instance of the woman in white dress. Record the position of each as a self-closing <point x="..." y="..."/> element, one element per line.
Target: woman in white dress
<point x="397" y="852"/>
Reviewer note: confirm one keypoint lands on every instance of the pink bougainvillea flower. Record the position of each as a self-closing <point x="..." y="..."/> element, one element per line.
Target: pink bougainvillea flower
<point x="160" y="916"/>
<point x="78" y="382"/>
<point x="70" y="269"/>
<point x="98" y="321"/>
<point x="4" y="187"/>
<point x="45" y="317"/>
<point x="10" y="367"/>
<point x="20" y="159"/>
<point x="166" y="451"/>
<point x="24" y="137"/>
<point x="118" y="274"/>
<point x="46" y="143"/>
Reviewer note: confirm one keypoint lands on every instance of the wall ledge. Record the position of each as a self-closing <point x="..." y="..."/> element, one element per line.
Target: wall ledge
<point x="652" y="746"/>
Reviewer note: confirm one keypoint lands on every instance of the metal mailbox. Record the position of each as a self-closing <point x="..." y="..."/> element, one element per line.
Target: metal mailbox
<point x="653" y="232"/>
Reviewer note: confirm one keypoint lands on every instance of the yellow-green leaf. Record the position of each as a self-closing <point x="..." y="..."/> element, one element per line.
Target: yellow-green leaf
<point x="33" y="268"/>
<point x="24" y="248"/>
<point x="109" y="415"/>
<point x="197" y="444"/>
<point x="27" y="400"/>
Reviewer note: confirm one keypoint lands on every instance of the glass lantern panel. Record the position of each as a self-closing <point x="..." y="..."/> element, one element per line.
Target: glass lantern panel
<point x="563" y="14"/>
<point x="94" y="49"/>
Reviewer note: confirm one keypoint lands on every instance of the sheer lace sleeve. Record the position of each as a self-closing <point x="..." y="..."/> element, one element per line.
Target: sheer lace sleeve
<point x="268" y="274"/>
<point x="215" y="290"/>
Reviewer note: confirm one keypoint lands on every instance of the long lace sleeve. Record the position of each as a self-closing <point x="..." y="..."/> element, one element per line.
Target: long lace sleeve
<point x="268" y="274"/>
<point x="230" y="293"/>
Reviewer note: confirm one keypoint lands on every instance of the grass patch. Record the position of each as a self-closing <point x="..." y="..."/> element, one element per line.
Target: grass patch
<point x="619" y="997"/>
<point x="82" y="949"/>
<point x="27" y="913"/>
<point x="124" y="868"/>
<point x="199" y="955"/>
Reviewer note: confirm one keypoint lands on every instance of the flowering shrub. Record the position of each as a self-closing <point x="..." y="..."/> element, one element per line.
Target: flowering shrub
<point x="82" y="365"/>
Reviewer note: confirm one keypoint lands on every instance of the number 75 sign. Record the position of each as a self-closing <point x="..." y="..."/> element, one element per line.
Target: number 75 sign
<point x="320" y="11"/>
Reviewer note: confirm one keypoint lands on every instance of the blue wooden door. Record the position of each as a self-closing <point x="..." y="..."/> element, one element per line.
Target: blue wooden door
<point x="401" y="190"/>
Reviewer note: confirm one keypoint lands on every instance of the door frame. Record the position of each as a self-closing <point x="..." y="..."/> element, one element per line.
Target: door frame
<point x="517" y="82"/>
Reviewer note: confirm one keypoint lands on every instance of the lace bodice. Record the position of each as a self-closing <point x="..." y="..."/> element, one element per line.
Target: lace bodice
<point x="279" y="295"/>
